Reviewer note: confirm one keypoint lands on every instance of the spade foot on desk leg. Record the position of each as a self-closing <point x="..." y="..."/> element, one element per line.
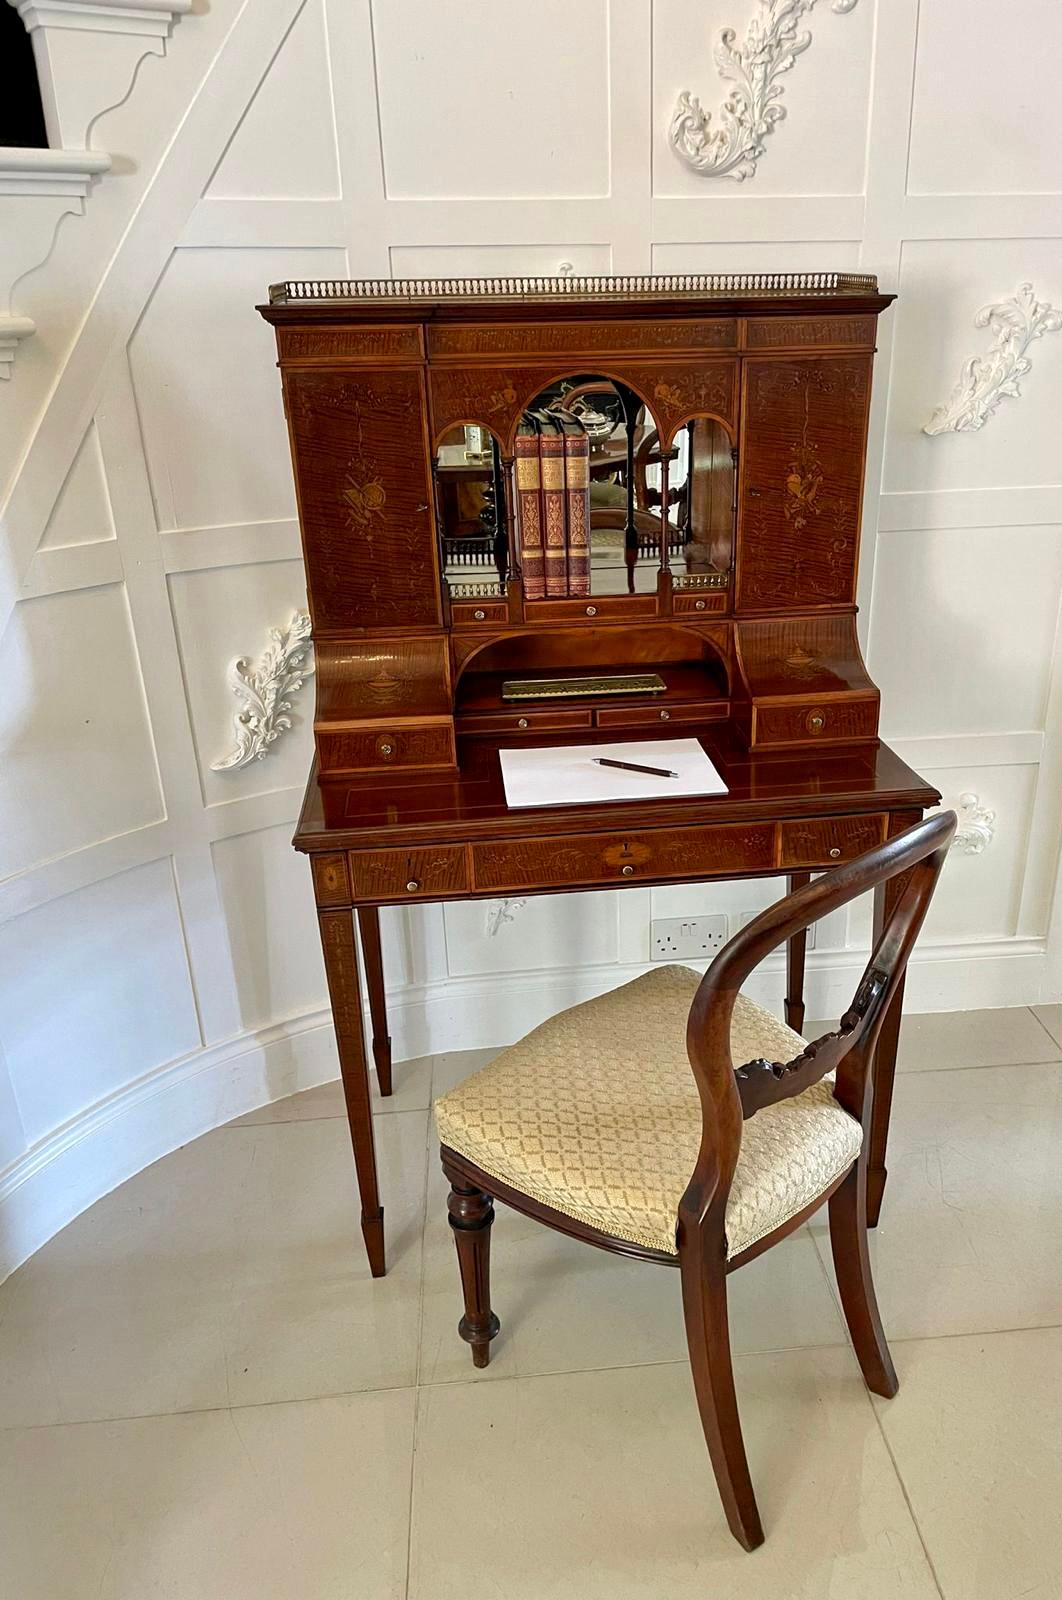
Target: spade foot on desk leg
<point x="372" y="1228"/>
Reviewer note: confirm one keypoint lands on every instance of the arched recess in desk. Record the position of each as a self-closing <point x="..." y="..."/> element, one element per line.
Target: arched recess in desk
<point x="693" y="663"/>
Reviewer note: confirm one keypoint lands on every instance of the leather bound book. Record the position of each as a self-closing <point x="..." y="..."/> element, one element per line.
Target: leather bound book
<point x="554" y="516"/>
<point x="529" y="507"/>
<point x="577" y="500"/>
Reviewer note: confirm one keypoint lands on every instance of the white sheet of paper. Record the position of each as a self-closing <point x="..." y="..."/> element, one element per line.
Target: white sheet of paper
<point x="566" y="775"/>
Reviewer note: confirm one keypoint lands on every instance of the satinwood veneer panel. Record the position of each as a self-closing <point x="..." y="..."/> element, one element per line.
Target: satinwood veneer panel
<point x="362" y="477"/>
<point x="583" y="338"/>
<point x="803" y="440"/>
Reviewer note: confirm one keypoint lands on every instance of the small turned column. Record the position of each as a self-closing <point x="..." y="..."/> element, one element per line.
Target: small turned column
<point x="471" y="1218"/>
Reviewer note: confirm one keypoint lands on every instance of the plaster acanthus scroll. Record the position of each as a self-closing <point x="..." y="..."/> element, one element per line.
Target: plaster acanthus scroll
<point x="499" y="912"/>
<point x="264" y="692"/>
<point x="985" y="380"/>
<point x="752" y="109"/>
<point x="977" y="826"/>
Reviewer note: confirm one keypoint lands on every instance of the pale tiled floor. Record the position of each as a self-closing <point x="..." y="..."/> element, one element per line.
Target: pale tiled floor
<point x="203" y="1395"/>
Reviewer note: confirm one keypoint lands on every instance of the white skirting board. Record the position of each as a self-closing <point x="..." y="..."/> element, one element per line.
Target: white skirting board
<point x="77" y="1164"/>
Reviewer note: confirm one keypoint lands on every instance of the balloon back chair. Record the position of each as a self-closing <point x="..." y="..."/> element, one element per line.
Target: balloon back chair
<point x="596" y="1125"/>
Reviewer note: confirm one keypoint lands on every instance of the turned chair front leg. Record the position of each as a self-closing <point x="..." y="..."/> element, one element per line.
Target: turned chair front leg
<point x="471" y="1218"/>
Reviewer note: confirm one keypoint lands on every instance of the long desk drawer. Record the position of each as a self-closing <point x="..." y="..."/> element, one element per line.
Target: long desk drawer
<point x="608" y="857"/>
<point x="822" y="842"/>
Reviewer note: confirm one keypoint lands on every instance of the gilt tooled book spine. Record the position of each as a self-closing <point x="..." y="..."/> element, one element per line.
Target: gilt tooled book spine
<point x="529" y="507"/>
<point x="577" y="500"/>
<point x="554" y="518"/>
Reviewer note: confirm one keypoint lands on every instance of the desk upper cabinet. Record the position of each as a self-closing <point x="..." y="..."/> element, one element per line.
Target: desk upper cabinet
<point x="559" y="482"/>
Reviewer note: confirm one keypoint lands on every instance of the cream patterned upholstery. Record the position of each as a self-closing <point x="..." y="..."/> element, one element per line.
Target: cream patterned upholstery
<point x="596" y="1114"/>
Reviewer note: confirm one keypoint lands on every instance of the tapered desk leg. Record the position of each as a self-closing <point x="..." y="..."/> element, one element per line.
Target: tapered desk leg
<point x="885" y="897"/>
<point x="795" y="952"/>
<point x="369" y="926"/>
<point x="344" y="990"/>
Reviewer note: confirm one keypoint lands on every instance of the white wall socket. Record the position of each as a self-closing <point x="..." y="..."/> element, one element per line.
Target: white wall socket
<point x="692" y="938"/>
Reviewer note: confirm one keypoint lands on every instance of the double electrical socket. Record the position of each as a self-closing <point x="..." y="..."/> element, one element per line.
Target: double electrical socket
<point x="692" y="938"/>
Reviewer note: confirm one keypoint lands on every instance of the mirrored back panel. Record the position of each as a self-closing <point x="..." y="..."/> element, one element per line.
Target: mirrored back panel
<point x="591" y="502"/>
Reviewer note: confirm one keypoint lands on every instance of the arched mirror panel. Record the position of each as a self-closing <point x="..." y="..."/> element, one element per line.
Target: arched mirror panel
<point x="698" y="483"/>
<point x="473" y="508"/>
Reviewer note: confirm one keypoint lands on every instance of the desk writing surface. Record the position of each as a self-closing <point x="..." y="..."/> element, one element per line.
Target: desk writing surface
<point x="445" y="807"/>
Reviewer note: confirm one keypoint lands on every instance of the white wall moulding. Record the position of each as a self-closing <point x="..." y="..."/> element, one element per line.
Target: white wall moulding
<point x="87" y="54"/>
<point x="753" y="108"/>
<point x="263" y="692"/>
<point x="988" y="379"/>
<point x="977" y="826"/>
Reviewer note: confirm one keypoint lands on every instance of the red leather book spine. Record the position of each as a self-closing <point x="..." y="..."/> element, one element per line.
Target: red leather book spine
<point x="554" y="518"/>
<point x="529" y="509"/>
<point x="577" y="495"/>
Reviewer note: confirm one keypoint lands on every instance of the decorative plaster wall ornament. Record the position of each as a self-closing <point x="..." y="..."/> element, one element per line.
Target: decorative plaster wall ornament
<point x="499" y="912"/>
<point x="752" y="108"/>
<point x="263" y="693"/>
<point x="985" y="380"/>
<point x="977" y="826"/>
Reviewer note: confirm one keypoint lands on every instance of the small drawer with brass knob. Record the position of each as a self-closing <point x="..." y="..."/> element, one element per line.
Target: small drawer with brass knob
<point x="394" y="875"/>
<point x="479" y="613"/>
<point x="839" y="721"/>
<point x="821" y="841"/>
<point x="542" y="719"/>
<point x="707" y="603"/>
<point x="376" y="749"/>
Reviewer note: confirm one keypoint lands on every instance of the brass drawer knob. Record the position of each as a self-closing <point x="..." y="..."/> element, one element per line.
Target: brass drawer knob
<point x="700" y="605"/>
<point x="480" y="616"/>
<point x="665" y="716"/>
<point x="816" y="721"/>
<point x="385" y="746"/>
<point x="835" y="852"/>
<point x="628" y="871"/>
<point x="413" y="885"/>
<point x="591" y="611"/>
<point x="522" y="722"/>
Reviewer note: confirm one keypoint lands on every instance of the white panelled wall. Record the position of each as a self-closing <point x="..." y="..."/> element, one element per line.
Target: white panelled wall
<point x="159" y="969"/>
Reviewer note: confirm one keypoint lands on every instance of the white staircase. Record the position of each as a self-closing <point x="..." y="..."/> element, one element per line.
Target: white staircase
<point x="87" y="54"/>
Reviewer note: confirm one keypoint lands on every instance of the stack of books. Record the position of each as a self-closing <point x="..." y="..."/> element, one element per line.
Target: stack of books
<point x="553" y="504"/>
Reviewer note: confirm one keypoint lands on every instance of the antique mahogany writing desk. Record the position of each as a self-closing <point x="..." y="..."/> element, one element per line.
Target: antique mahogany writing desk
<point x="745" y="401"/>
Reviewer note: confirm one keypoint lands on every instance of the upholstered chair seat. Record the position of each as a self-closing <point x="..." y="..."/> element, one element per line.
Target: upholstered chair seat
<point x="596" y="1114"/>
